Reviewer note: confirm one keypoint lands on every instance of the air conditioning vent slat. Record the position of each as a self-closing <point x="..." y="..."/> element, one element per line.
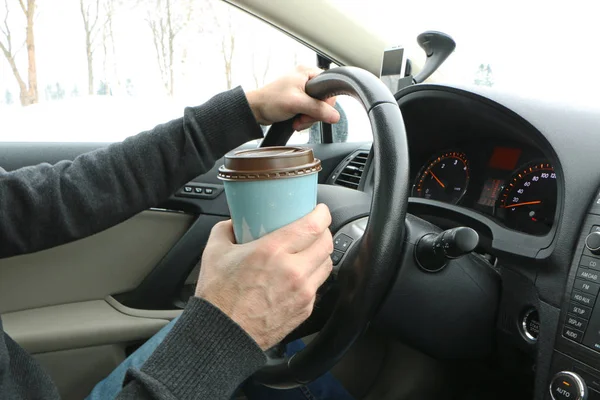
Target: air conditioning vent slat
<point x="353" y="170"/>
<point x="357" y="164"/>
<point x="343" y="182"/>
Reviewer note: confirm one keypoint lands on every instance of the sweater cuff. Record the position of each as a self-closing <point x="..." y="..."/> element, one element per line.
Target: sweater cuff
<point x="206" y="355"/>
<point x="227" y="121"/>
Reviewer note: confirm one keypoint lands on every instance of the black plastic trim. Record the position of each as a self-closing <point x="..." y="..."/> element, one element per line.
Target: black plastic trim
<point x="495" y="237"/>
<point x="326" y="133"/>
<point x="162" y="285"/>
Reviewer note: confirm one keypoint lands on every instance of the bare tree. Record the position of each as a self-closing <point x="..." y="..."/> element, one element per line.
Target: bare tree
<point x="260" y="75"/>
<point x="163" y="35"/>
<point x="227" y="32"/>
<point x="227" y="48"/>
<point x="29" y="90"/>
<point x="108" y="41"/>
<point x="190" y="8"/>
<point x="90" y="13"/>
<point x="166" y="21"/>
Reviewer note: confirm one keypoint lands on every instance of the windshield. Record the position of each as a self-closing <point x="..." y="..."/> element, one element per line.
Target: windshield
<point x="107" y="69"/>
<point x="533" y="47"/>
<point x="102" y="70"/>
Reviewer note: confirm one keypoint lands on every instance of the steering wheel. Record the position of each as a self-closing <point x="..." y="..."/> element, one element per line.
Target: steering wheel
<point x="369" y="268"/>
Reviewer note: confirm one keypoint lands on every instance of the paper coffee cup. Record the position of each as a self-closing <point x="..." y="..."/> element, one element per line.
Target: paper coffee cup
<point x="268" y="188"/>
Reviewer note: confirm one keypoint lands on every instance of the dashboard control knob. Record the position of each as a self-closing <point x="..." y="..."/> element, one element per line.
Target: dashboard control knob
<point x="435" y="249"/>
<point x="567" y="385"/>
<point x="592" y="242"/>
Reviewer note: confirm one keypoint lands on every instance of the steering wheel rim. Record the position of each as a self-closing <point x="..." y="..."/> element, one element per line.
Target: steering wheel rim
<point x="371" y="264"/>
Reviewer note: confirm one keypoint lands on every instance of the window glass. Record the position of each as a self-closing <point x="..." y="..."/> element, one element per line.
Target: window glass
<point x="354" y="125"/>
<point x="108" y="69"/>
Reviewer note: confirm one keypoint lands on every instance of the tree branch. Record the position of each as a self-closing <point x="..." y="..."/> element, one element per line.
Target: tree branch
<point x="158" y="45"/>
<point x="13" y="66"/>
<point x="5" y="50"/>
<point x="266" y="71"/>
<point x="6" y="30"/>
<point x="23" y="7"/>
<point x="97" y="15"/>
<point x="83" y="15"/>
<point x="93" y="36"/>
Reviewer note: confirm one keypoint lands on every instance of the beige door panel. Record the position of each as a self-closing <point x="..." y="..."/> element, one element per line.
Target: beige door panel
<point x="113" y="261"/>
<point x="76" y="372"/>
<point x="57" y="303"/>
<point x="79" y="344"/>
<point x="77" y="325"/>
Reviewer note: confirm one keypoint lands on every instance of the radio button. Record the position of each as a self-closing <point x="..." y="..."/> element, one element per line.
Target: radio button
<point x="573" y="334"/>
<point x="588" y="275"/>
<point x="576" y="322"/>
<point x="583" y="298"/>
<point x="579" y="310"/>
<point x="586" y="287"/>
<point x="590" y="262"/>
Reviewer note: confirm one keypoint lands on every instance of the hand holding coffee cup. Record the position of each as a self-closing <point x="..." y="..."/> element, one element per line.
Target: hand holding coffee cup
<point x="267" y="283"/>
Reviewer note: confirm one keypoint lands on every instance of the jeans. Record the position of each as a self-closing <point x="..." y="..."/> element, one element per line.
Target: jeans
<point x="324" y="388"/>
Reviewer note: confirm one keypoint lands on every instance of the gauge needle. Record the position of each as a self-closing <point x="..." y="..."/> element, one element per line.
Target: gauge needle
<point x="436" y="178"/>
<point x="526" y="203"/>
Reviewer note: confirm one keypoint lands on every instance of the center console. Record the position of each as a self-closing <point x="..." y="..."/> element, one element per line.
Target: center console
<point x="576" y="360"/>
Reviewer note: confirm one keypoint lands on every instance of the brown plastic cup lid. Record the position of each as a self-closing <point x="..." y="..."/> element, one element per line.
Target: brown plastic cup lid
<point x="269" y="163"/>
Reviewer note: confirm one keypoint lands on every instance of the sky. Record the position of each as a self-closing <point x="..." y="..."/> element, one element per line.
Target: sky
<point x="538" y="48"/>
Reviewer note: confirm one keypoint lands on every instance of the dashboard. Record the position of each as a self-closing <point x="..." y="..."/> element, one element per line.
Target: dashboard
<point x="523" y="174"/>
<point x="514" y="184"/>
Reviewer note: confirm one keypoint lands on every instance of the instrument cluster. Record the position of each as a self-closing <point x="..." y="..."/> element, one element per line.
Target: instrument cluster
<point x="515" y="185"/>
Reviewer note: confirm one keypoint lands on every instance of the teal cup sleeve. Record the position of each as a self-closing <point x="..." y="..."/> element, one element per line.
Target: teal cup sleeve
<point x="262" y="206"/>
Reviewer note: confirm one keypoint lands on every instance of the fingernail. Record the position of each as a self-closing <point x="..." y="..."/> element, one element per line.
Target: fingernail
<point x="335" y="118"/>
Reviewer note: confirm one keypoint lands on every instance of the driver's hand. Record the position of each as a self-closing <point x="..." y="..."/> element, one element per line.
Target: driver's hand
<point x="285" y="98"/>
<point x="268" y="286"/>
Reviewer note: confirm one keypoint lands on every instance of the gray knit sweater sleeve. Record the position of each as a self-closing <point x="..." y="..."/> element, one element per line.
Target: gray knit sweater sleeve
<point x="205" y="356"/>
<point x="47" y="205"/>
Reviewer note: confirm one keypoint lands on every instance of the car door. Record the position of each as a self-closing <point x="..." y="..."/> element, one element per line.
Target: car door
<point x="82" y="307"/>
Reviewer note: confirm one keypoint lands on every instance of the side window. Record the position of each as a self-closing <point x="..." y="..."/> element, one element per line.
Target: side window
<point x="110" y="69"/>
<point x="354" y="125"/>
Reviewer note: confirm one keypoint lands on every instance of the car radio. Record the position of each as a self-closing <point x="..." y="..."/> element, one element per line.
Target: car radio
<point x="576" y="359"/>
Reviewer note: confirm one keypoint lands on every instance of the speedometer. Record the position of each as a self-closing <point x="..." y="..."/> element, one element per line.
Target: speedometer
<point x="528" y="200"/>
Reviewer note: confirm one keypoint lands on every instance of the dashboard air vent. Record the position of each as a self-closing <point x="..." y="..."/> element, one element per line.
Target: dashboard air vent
<point x="352" y="172"/>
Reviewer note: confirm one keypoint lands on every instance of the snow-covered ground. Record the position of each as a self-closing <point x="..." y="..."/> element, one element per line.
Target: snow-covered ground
<point x="84" y="119"/>
<point x="112" y="119"/>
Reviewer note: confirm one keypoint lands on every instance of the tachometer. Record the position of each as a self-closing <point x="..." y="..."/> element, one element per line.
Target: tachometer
<point x="444" y="178"/>
<point x="528" y="200"/>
